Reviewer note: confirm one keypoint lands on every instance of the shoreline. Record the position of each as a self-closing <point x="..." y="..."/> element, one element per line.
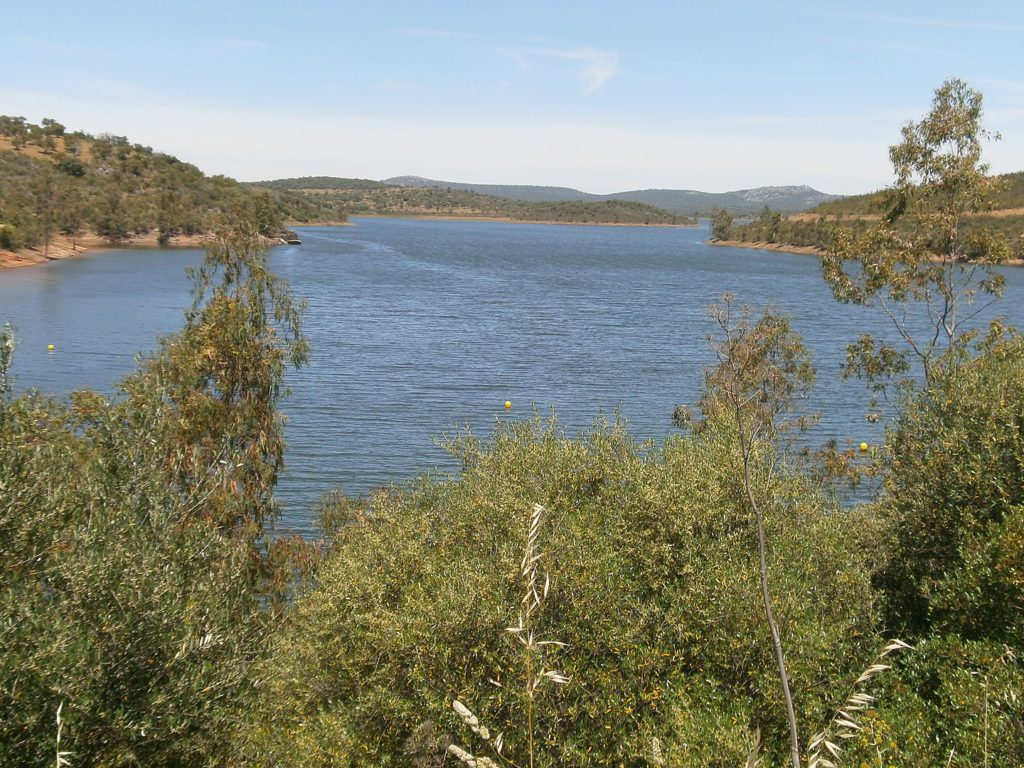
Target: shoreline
<point x="810" y="250"/>
<point x="806" y="250"/>
<point x="62" y="247"/>
<point x="507" y="220"/>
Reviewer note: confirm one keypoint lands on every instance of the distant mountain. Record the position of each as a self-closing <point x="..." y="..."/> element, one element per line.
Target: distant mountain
<point x="790" y="199"/>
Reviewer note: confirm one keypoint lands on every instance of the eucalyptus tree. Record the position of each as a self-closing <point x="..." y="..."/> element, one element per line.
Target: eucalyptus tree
<point x="921" y="266"/>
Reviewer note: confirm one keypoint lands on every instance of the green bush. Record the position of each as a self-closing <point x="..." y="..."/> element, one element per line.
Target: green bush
<point x="139" y="623"/>
<point x="134" y="564"/>
<point x="654" y="589"/>
<point x="950" y="702"/>
<point x="955" y="502"/>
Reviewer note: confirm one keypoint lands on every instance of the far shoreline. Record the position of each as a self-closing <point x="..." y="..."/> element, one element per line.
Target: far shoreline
<point x="809" y="250"/>
<point x="62" y="247"/>
<point x="806" y="250"/>
<point x="507" y="220"/>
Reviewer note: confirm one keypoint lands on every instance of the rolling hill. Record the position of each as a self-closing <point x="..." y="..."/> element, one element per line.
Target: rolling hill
<point x="361" y="196"/>
<point x="788" y="199"/>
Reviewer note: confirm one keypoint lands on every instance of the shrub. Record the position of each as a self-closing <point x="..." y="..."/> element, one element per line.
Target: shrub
<point x="955" y="502"/>
<point x="654" y="589"/>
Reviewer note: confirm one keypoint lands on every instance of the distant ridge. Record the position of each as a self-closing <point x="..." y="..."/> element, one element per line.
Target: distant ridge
<point x="527" y="192"/>
<point x="788" y="199"/>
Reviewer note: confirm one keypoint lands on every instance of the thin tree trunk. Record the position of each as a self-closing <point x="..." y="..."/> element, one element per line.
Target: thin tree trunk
<point x="762" y="547"/>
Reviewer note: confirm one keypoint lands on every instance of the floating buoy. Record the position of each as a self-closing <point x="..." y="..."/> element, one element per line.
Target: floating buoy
<point x="508" y="404"/>
<point x="863" y="447"/>
<point x="49" y="347"/>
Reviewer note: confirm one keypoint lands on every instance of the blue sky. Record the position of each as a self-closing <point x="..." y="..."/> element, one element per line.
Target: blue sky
<point x="599" y="96"/>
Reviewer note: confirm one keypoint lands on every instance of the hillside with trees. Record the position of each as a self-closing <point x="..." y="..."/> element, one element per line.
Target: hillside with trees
<point x="59" y="183"/>
<point x="683" y="201"/>
<point x="1002" y="216"/>
<point x="363" y="197"/>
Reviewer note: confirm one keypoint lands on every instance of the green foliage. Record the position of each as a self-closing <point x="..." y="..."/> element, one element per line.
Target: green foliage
<point x="121" y="189"/>
<point x="918" y="260"/>
<point x="218" y="381"/>
<point x="955" y="501"/>
<point x="949" y="702"/>
<point x="772" y="227"/>
<point x="131" y="553"/>
<point x="762" y="369"/>
<point x="721" y="221"/>
<point x="654" y="589"/>
<point x="114" y="605"/>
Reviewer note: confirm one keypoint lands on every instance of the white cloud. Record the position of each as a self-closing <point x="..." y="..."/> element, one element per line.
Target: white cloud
<point x="598" y="66"/>
<point x="835" y="156"/>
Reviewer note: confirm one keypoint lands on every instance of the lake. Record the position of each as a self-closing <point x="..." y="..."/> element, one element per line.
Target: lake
<point x="421" y="327"/>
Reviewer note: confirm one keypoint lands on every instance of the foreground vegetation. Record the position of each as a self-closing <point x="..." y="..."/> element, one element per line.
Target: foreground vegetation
<point x="363" y="197"/>
<point x="561" y="600"/>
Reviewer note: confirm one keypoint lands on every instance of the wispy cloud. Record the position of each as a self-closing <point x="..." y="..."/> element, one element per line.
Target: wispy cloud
<point x="598" y="66"/>
<point x="522" y="61"/>
<point x="440" y="34"/>
<point x="235" y="43"/>
<point x="50" y="48"/>
<point x="917" y="21"/>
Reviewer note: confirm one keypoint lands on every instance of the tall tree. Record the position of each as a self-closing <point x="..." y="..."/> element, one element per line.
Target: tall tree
<point x="721" y="221"/>
<point x="920" y="266"/>
<point x="763" y="368"/>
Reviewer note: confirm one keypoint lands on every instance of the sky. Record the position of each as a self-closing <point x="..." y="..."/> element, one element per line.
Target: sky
<point x="603" y="97"/>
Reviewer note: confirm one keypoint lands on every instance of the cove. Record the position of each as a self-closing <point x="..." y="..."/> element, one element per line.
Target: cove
<point x="419" y="328"/>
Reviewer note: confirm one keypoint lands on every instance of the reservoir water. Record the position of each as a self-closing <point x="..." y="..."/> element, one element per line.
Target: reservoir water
<point x="419" y="328"/>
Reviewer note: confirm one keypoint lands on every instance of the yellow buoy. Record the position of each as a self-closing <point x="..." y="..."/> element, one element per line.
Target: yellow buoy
<point x="508" y="404"/>
<point x="863" y="447"/>
<point x="49" y="347"/>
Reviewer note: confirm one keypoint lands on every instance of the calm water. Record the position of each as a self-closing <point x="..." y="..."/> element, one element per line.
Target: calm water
<point x="421" y="327"/>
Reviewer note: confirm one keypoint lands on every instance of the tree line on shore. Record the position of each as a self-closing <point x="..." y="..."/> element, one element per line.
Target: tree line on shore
<point x="998" y="217"/>
<point x="364" y="197"/>
<point x="561" y="600"/>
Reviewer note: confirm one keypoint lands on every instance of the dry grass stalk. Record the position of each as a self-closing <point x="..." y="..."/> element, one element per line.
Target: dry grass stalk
<point x="657" y="757"/>
<point x="824" y="748"/>
<point x="62" y="755"/>
<point x="535" y="590"/>
<point x="754" y="755"/>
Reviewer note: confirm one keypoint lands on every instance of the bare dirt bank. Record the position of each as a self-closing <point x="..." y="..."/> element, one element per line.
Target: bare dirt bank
<point x="810" y="250"/>
<point x="62" y="247"/>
